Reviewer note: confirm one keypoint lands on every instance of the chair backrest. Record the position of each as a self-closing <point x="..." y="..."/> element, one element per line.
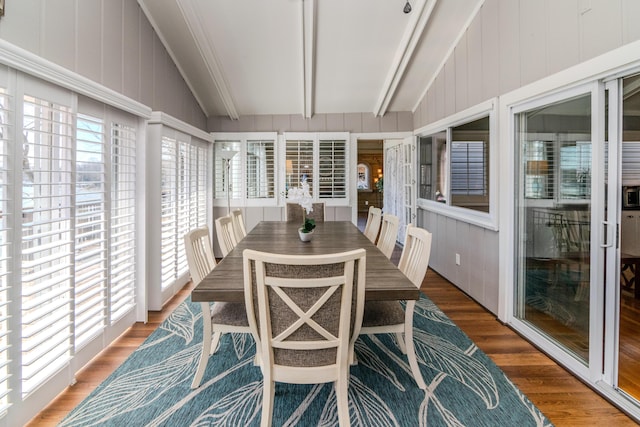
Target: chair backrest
<point x="372" y="227"/>
<point x="304" y="310"/>
<point x="199" y="253"/>
<point x="239" y="228"/>
<point x="225" y="234"/>
<point x="294" y="212"/>
<point x="388" y="234"/>
<point x="414" y="259"/>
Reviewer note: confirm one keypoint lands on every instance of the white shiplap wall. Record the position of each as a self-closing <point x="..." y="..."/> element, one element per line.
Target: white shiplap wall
<point x="508" y="45"/>
<point x="110" y="42"/>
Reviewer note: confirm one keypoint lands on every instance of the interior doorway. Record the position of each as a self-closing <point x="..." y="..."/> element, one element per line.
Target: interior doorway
<point x="370" y="177"/>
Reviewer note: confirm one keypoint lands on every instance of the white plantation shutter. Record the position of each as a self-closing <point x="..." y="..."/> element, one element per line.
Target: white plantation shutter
<point x="5" y="116"/>
<point x="469" y="168"/>
<point x="184" y="201"/>
<point x="67" y="235"/>
<point x="123" y="213"/>
<point x="299" y="163"/>
<point x="169" y="211"/>
<point x="260" y="160"/>
<point x="321" y="158"/>
<point x="47" y="242"/>
<point x="202" y="162"/>
<point x="184" y="212"/>
<point x="575" y="170"/>
<point x="90" y="230"/>
<point x="193" y="187"/>
<point x="332" y="170"/>
<point x="197" y="190"/>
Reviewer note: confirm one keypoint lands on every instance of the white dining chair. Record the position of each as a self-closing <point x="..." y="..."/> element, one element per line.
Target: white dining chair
<point x="388" y="234"/>
<point x="226" y="235"/>
<point x="304" y="312"/>
<point x="372" y="227"/>
<point x="384" y="317"/>
<point x="226" y="316"/>
<point x="239" y="228"/>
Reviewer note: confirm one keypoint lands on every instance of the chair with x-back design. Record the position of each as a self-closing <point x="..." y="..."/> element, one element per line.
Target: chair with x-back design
<point x="304" y="312"/>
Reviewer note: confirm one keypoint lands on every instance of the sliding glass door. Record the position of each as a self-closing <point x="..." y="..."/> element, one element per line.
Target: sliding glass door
<point x="554" y="143"/>
<point x="577" y="228"/>
<point x="624" y="284"/>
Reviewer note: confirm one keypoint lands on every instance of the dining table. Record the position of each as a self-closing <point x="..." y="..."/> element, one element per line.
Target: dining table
<point x="384" y="280"/>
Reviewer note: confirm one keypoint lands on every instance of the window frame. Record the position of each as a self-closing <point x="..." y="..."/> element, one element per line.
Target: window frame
<point x="317" y="138"/>
<point x="488" y="220"/>
<point x="238" y="198"/>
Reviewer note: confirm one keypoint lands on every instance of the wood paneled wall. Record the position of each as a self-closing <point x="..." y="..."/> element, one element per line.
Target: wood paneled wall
<point x="345" y="122"/>
<point x="110" y="42"/>
<point x="510" y="44"/>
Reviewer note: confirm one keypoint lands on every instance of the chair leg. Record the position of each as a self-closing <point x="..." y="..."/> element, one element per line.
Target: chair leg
<point x="411" y="349"/>
<point x="268" y="393"/>
<point x="206" y="344"/>
<point x="353" y="360"/>
<point x="400" y="339"/>
<point x="342" y="399"/>
<point x="214" y="343"/>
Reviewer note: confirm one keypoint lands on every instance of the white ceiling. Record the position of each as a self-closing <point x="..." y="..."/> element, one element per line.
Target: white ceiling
<point x="246" y="57"/>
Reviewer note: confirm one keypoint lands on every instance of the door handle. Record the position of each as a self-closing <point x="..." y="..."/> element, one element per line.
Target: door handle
<point x="608" y="239"/>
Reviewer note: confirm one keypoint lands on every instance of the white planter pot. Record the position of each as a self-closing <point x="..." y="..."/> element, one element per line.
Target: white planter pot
<point x="305" y="237"/>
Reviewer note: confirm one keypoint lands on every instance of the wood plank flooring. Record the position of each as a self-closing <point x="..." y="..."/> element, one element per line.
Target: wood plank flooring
<point x="562" y="398"/>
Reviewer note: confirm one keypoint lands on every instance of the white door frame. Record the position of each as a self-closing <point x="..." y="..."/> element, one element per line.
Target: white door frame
<point x="353" y="162"/>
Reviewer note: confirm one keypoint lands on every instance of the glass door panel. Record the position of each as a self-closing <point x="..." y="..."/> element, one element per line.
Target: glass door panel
<point x="553" y="221"/>
<point x="629" y="295"/>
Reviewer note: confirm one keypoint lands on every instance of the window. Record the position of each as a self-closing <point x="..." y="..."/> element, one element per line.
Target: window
<point x="169" y="212"/>
<point x="321" y="159"/>
<point x="260" y="169"/>
<point x="90" y="230"/>
<point x="5" y="113"/>
<point x="454" y="165"/>
<point x="67" y="235"/>
<point x="123" y="215"/>
<point x="332" y="170"/>
<point x="299" y="161"/>
<point x="228" y="174"/>
<point x="183" y="201"/>
<point x="47" y="240"/>
<point x="251" y="167"/>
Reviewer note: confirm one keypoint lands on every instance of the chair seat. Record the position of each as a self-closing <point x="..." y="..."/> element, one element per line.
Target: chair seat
<point x="380" y="313"/>
<point x="229" y="313"/>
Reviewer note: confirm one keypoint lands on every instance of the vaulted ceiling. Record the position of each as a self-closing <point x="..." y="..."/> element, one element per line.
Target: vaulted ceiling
<point x="253" y="57"/>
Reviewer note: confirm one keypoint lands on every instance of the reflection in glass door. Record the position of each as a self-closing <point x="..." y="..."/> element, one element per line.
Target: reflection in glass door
<point x="629" y="292"/>
<point x="553" y="206"/>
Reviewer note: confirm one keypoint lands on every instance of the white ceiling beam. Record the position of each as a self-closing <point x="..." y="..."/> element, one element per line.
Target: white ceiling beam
<point x="309" y="17"/>
<point x="196" y="27"/>
<point x="403" y="55"/>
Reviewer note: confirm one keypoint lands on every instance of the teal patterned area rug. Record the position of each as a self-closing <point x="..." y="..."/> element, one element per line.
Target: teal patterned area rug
<point x="152" y="387"/>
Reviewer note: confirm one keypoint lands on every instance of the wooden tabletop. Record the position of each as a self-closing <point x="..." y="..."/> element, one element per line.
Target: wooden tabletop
<point x="384" y="281"/>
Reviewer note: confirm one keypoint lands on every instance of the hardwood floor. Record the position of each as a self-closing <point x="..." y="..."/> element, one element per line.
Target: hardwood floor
<point x="562" y="398"/>
<point x="629" y="364"/>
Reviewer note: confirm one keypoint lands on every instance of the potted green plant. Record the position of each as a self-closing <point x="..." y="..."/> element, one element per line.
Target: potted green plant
<point x="303" y="198"/>
<point x="309" y="225"/>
